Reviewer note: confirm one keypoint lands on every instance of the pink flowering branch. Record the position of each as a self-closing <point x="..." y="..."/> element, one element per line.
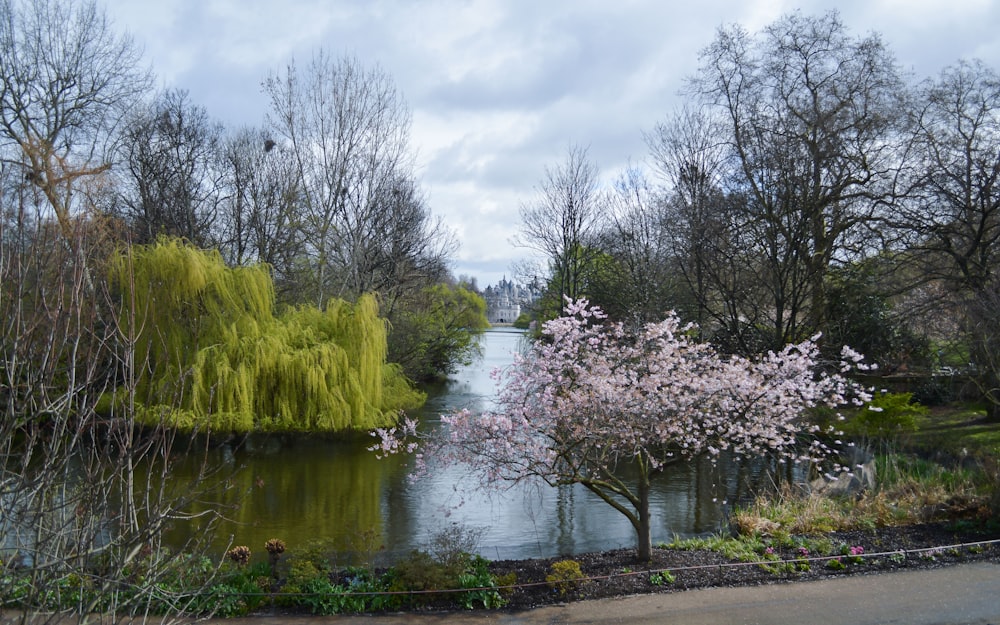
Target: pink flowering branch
<point x="590" y="397"/>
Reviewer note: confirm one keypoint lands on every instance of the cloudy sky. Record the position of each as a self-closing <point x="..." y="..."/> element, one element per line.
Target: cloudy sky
<point x="499" y="89"/>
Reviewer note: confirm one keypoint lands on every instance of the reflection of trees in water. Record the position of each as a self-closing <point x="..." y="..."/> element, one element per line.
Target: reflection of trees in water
<point x="301" y="490"/>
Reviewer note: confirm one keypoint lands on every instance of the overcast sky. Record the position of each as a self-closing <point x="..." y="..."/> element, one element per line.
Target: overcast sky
<point x="499" y="89"/>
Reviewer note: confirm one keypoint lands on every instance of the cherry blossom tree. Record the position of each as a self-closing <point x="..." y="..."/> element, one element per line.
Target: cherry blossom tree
<point x="590" y="398"/>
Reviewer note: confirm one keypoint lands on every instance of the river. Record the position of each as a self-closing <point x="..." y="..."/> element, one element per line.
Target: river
<point x="308" y="489"/>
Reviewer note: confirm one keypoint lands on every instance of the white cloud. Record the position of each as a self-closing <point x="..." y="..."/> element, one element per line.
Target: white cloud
<point x="500" y="88"/>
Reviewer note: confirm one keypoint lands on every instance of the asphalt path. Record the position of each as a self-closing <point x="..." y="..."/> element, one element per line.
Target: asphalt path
<point x="961" y="594"/>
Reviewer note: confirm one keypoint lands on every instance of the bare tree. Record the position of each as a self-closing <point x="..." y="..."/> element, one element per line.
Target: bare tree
<point x="952" y="202"/>
<point x="407" y="249"/>
<point x="563" y="220"/>
<point x="347" y="129"/>
<point x="66" y="81"/>
<point x="690" y="153"/>
<point x="642" y="286"/>
<point x="84" y="492"/>
<point x="259" y="217"/>
<point x="811" y="113"/>
<point x="171" y="182"/>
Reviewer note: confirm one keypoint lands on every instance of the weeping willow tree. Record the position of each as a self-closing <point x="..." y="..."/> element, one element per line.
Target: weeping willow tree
<point x="211" y="352"/>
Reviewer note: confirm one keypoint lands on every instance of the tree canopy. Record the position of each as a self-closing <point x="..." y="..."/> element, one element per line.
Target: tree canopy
<point x="211" y="353"/>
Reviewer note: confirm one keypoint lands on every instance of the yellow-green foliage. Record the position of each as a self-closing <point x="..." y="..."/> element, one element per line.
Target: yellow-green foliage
<point x="211" y="348"/>
<point x="565" y="575"/>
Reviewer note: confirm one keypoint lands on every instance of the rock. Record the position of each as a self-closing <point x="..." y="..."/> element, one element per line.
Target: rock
<point x="860" y="478"/>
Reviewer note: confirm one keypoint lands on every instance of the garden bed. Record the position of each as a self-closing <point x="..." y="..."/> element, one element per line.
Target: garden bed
<point x="616" y="573"/>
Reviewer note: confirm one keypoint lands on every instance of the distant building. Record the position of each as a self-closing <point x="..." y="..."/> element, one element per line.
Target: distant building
<point x="506" y="300"/>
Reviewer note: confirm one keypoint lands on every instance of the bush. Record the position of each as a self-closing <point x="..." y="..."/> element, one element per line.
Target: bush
<point x="565" y="576"/>
<point x="420" y="571"/>
<point x="886" y="417"/>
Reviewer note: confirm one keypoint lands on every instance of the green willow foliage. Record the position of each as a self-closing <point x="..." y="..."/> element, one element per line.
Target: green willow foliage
<point x="210" y="351"/>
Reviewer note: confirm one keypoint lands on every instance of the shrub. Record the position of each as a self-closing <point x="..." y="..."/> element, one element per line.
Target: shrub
<point x="452" y="545"/>
<point x="505" y="583"/>
<point x="420" y="571"/>
<point x="449" y="570"/>
<point x="565" y="576"/>
<point x="886" y="416"/>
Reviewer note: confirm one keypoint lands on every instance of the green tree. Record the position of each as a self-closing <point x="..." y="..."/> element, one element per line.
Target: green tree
<point x="436" y="330"/>
<point x="212" y="354"/>
<point x="861" y="315"/>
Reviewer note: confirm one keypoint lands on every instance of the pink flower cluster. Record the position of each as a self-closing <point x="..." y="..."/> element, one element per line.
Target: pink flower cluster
<point x="591" y="395"/>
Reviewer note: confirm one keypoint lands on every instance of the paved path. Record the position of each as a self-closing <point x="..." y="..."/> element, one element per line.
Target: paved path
<point x="963" y="594"/>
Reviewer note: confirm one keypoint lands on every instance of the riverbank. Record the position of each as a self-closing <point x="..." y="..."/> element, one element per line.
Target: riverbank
<point x="688" y="565"/>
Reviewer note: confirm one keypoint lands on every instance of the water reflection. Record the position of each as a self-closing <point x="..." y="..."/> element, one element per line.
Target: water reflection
<point x="301" y="488"/>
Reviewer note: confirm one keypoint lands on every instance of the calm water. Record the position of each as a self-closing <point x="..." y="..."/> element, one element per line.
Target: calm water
<point x="301" y="488"/>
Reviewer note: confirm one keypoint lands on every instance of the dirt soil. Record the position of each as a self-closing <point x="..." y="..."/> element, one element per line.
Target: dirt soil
<point x="617" y="573"/>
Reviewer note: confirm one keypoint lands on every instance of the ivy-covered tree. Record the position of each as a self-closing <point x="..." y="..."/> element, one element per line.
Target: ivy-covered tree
<point x="212" y="354"/>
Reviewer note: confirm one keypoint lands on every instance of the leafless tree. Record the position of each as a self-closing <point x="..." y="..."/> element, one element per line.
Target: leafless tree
<point x="811" y="113"/>
<point x="951" y="205"/>
<point x="66" y="80"/>
<point x="563" y="219"/>
<point x="85" y="491"/>
<point x="641" y="286"/>
<point x="347" y="130"/>
<point x="259" y="216"/>
<point x="690" y="154"/>
<point x="171" y="183"/>
<point x="407" y="249"/>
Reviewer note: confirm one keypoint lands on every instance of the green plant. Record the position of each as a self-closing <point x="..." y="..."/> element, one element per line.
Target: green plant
<point x="321" y="596"/>
<point x="886" y="417"/>
<point x="318" y="553"/>
<point x="482" y="591"/>
<point x="420" y="571"/>
<point x="505" y="583"/>
<point x="853" y="554"/>
<point x="565" y="576"/>
<point x="449" y="565"/>
<point x="240" y="590"/>
<point x="659" y="578"/>
<point x="224" y="600"/>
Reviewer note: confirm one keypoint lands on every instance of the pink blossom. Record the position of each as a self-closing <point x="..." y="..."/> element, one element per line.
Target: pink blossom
<point x="591" y="397"/>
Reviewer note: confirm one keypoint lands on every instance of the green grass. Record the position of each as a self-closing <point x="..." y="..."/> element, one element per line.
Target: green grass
<point x="959" y="430"/>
